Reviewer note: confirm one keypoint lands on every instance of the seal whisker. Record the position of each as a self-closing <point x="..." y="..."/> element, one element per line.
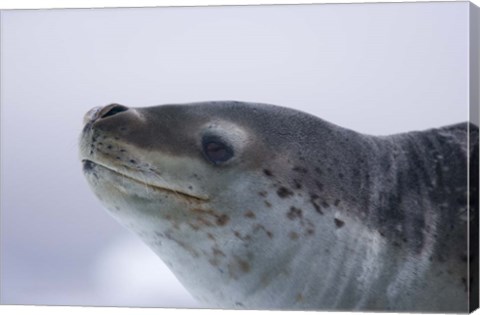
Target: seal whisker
<point x="148" y="189"/>
<point x="163" y="180"/>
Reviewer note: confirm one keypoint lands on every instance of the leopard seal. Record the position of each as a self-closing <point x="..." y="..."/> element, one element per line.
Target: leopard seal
<point x="258" y="206"/>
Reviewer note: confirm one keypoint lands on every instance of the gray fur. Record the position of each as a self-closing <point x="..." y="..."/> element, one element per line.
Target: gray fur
<point x="308" y="215"/>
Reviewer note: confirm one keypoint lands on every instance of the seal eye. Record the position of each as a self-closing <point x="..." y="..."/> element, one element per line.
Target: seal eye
<point x="216" y="150"/>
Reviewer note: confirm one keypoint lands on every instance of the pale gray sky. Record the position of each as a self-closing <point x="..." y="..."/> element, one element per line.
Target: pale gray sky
<point x="374" y="68"/>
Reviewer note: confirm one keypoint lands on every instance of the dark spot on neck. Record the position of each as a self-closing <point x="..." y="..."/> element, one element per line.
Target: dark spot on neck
<point x="244" y="265"/>
<point x="250" y="214"/>
<point x="310" y="231"/>
<point x="294" y="213"/>
<point x="222" y="220"/>
<point x="284" y="192"/>
<point x="267" y="172"/>
<point x="339" y="223"/>
<point x="241" y="237"/>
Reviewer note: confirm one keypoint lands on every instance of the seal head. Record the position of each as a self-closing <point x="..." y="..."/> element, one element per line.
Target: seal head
<point x="259" y="206"/>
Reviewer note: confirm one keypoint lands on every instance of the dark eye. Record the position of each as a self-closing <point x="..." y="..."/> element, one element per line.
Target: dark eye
<point x="216" y="150"/>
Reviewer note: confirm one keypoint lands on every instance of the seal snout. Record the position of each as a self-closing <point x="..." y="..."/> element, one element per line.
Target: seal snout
<point x="98" y="113"/>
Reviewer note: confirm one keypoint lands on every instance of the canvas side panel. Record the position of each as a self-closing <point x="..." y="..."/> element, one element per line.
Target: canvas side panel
<point x="474" y="157"/>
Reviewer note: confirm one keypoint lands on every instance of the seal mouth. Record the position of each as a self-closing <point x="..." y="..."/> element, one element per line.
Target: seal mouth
<point x="89" y="166"/>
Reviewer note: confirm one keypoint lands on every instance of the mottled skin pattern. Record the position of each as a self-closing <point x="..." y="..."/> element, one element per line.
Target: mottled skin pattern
<point x="306" y="215"/>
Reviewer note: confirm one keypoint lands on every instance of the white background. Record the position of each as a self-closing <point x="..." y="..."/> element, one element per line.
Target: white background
<point x="373" y="68"/>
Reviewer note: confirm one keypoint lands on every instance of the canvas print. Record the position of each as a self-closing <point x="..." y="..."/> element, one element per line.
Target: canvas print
<point x="294" y="157"/>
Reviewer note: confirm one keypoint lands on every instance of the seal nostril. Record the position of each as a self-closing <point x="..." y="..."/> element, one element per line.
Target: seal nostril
<point x="113" y="110"/>
<point x="87" y="165"/>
